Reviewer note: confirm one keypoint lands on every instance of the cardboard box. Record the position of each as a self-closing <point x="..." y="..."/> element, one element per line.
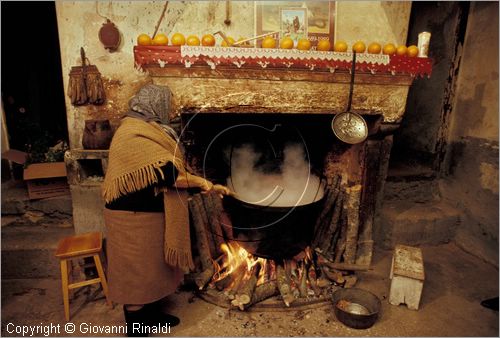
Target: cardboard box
<point x="46" y="180"/>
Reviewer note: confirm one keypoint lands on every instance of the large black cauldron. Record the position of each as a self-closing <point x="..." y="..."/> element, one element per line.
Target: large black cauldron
<point x="272" y="232"/>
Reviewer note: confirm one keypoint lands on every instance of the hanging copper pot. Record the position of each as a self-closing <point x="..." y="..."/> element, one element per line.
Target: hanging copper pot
<point x="109" y="36"/>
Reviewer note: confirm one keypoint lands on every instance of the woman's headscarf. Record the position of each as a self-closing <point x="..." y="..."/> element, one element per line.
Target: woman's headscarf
<point x="152" y="103"/>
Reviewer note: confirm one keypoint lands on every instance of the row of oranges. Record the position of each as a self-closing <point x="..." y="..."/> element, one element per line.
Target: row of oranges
<point x="177" y="40"/>
<point x="376" y="48"/>
<point x="286" y="43"/>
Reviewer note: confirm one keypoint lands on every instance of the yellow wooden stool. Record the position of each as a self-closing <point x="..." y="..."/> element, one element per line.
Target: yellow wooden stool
<point x="78" y="247"/>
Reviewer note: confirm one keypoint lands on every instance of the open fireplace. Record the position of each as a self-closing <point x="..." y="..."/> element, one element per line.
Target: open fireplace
<point x="302" y="214"/>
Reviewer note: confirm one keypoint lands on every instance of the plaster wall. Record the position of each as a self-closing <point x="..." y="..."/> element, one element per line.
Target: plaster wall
<point x="473" y="141"/>
<point x="79" y="23"/>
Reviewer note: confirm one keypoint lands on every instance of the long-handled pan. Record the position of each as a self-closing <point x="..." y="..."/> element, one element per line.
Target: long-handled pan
<point x="348" y="126"/>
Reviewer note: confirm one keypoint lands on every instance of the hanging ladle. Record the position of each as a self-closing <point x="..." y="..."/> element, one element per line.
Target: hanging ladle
<point x="350" y="127"/>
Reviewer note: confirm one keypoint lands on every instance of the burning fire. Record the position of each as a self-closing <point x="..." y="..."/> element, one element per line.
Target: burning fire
<point x="237" y="261"/>
<point x="246" y="279"/>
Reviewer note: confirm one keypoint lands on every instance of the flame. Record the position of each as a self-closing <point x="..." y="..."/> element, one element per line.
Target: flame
<point x="235" y="259"/>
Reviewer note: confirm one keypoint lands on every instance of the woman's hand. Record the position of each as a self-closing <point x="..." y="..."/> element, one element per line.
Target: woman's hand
<point x="221" y="190"/>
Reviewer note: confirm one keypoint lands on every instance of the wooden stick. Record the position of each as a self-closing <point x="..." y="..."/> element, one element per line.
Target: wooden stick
<point x="325" y="245"/>
<point x="334" y="276"/>
<point x="341" y="266"/>
<point x="213" y="220"/>
<point x="201" y="236"/>
<point x="313" y="280"/>
<point x="203" y="218"/>
<point x="246" y="291"/>
<point x="254" y="38"/>
<point x="340" y="246"/>
<point x="160" y="19"/>
<point x="353" y="199"/>
<point x="204" y="277"/>
<point x="303" y="281"/>
<point x="284" y="285"/>
<point x="263" y="292"/>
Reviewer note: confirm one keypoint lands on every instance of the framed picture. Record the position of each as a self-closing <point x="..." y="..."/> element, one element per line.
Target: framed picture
<point x="319" y="18"/>
<point x="293" y="23"/>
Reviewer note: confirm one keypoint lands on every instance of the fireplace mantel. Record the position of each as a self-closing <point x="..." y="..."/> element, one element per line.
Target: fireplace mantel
<point x="215" y="85"/>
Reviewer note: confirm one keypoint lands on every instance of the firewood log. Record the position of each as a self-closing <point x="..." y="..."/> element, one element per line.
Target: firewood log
<point x="235" y="286"/>
<point x="353" y="199"/>
<point x="263" y="292"/>
<point x="203" y="217"/>
<point x="204" y="277"/>
<point x="350" y="281"/>
<point x="213" y="220"/>
<point x="201" y="234"/>
<point x="323" y="261"/>
<point x="334" y="276"/>
<point x="244" y="294"/>
<point x="340" y="246"/>
<point x="284" y="285"/>
<point x="325" y="245"/>
<point x="323" y="220"/>
<point x="203" y="247"/>
<point x="303" y="281"/>
<point x="313" y="280"/>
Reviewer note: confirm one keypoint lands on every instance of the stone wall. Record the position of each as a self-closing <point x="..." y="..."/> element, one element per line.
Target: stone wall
<point x="472" y="156"/>
<point x="79" y="23"/>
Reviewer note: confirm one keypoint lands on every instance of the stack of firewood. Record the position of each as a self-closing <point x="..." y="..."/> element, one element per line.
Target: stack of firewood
<point x="337" y="227"/>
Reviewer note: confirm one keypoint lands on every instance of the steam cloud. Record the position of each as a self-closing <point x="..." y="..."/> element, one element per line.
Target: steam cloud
<point x="293" y="185"/>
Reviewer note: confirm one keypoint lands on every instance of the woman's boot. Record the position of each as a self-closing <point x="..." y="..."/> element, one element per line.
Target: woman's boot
<point x="157" y="316"/>
<point x="135" y="319"/>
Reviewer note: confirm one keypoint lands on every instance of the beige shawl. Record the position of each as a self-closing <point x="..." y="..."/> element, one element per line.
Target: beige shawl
<point x="137" y="152"/>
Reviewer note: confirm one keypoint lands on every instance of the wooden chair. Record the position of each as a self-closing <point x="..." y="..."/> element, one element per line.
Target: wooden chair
<point x="79" y="247"/>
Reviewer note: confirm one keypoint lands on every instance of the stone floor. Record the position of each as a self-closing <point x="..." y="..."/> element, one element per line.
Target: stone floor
<point x="455" y="284"/>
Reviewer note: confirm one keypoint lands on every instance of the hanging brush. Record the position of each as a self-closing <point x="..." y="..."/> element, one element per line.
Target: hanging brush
<point x="85" y="84"/>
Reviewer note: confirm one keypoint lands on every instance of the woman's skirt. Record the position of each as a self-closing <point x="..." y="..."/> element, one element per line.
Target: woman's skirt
<point x="137" y="272"/>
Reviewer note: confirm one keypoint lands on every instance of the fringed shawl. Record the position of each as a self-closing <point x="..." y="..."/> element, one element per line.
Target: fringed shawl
<point x="137" y="152"/>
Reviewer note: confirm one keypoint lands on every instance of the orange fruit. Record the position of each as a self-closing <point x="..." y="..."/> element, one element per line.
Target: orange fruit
<point x="340" y="46"/>
<point x="144" y="40"/>
<point x="178" y="39"/>
<point x="389" y="49"/>
<point x="192" y="40"/>
<point x="374" y="48"/>
<point x="359" y="47"/>
<point x="208" y="40"/>
<point x="304" y="44"/>
<point x="269" y="42"/>
<point x="230" y="39"/>
<point x="286" y="43"/>
<point x="160" y="40"/>
<point x="401" y="50"/>
<point x="323" y="45"/>
<point x="412" y="51"/>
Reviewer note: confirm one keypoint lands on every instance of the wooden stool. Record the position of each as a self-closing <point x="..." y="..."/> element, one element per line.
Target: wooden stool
<point x="77" y="247"/>
<point x="407" y="275"/>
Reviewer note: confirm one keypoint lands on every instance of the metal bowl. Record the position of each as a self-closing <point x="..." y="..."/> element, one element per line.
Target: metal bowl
<point x="350" y="127"/>
<point x="356" y="308"/>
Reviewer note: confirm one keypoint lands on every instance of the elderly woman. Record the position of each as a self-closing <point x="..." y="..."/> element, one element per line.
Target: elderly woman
<point x="146" y="215"/>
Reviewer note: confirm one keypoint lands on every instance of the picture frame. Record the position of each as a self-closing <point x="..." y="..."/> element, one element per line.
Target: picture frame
<point x="293" y="23"/>
<point x="320" y="18"/>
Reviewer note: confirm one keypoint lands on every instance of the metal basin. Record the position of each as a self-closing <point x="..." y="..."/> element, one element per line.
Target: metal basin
<point x="356" y="308"/>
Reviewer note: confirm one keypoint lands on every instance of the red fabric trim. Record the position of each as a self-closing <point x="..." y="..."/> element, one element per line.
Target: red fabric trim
<point x="171" y="55"/>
